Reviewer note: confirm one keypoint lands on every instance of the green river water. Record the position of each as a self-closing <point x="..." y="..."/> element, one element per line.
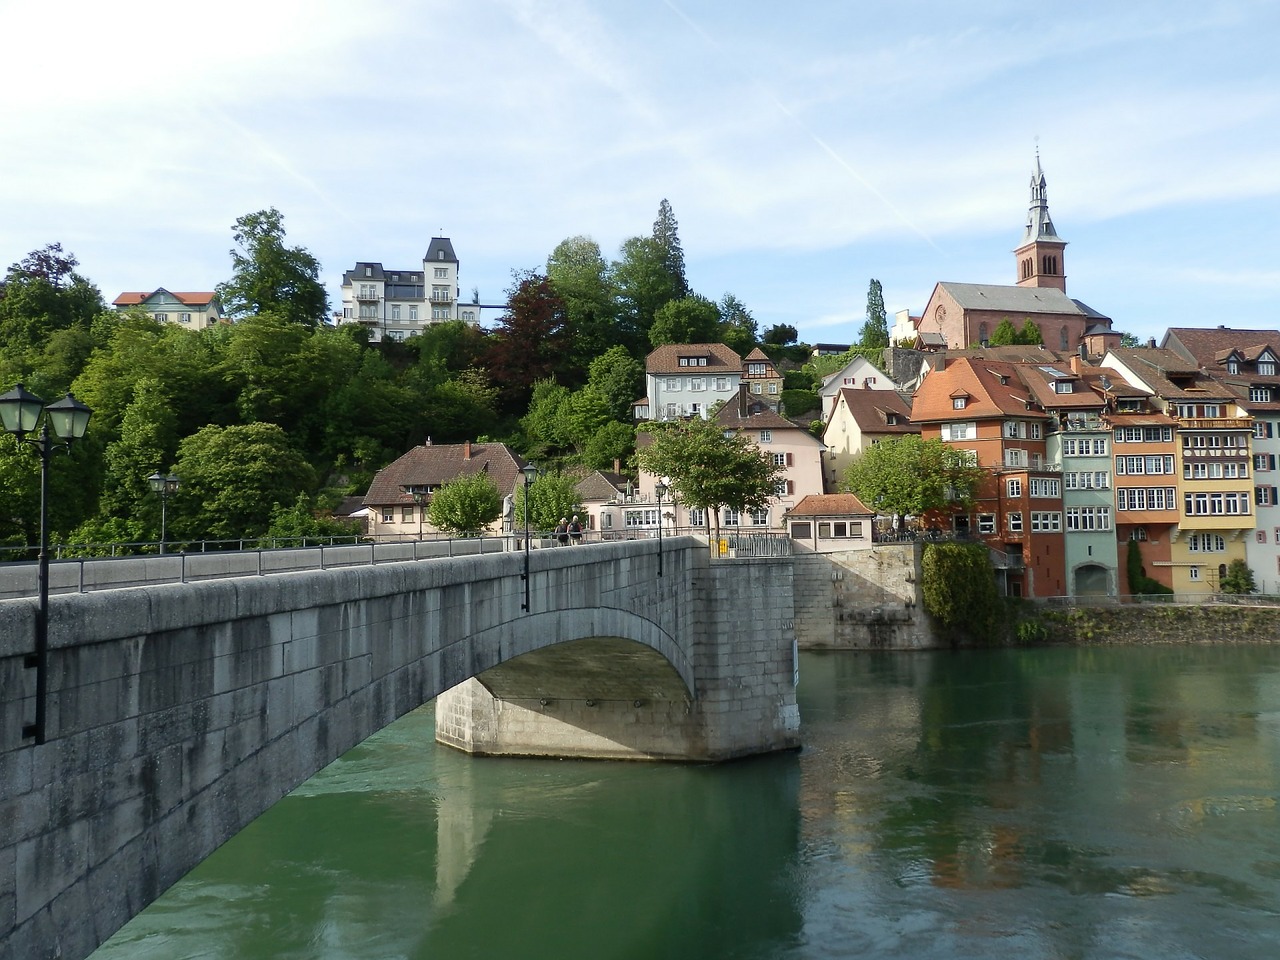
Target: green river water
<point x="1052" y="803"/>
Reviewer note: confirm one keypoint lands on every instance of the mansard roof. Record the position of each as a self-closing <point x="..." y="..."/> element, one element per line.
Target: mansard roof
<point x="440" y="245"/>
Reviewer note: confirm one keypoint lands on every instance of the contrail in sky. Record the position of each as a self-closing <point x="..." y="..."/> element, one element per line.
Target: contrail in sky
<point x="822" y="144"/>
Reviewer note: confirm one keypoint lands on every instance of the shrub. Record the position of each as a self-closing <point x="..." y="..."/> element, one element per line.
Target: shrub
<point x="959" y="590"/>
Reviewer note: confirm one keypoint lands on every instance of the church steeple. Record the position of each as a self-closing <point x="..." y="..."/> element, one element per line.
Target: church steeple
<point x="1040" y="254"/>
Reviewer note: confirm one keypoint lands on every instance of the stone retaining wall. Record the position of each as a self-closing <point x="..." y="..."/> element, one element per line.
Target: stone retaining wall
<point x="1163" y="623"/>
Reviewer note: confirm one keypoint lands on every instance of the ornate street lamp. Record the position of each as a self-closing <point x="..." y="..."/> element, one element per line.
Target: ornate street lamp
<point x="661" y="491"/>
<point x="66" y="420"/>
<point x="530" y="474"/>
<point x="165" y="487"/>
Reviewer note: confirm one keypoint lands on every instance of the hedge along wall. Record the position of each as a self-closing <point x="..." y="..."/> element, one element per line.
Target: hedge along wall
<point x="1163" y="623"/>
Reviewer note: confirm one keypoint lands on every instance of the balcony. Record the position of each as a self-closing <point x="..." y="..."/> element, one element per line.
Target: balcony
<point x="1071" y="425"/>
<point x="1004" y="560"/>
<point x="441" y="298"/>
<point x="1215" y="423"/>
<point x="368" y="295"/>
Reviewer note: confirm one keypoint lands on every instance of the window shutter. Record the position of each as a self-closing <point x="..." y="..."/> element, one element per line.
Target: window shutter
<point x="791" y="487"/>
<point x="790" y="462"/>
<point x="1268" y="428"/>
<point x="1271" y="461"/>
<point x="1274" y="501"/>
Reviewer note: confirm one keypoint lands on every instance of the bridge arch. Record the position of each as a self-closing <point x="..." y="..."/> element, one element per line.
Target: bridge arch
<point x="178" y="713"/>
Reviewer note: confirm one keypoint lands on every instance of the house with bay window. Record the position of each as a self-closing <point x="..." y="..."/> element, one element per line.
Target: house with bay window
<point x="1213" y="463"/>
<point x="985" y="409"/>
<point x="1247" y="362"/>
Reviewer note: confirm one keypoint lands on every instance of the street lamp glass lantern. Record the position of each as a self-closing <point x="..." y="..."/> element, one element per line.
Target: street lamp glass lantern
<point x="171" y="483"/>
<point x="20" y="410"/>
<point x="68" y="418"/>
<point x="661" y="491"/>
<point x="530" y="472"/>
<point x="156" y="480"/>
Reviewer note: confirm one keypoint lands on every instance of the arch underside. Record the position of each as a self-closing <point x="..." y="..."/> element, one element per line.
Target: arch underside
<point x="593" y="668"/>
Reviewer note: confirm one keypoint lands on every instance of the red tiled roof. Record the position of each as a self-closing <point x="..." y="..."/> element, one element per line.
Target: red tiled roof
<point x="994" y="389"/>
<point x="869" y="409"/>
<point x="830" y="505"/>
<point x="134" y="298"/>
<point x="666" y="359"/>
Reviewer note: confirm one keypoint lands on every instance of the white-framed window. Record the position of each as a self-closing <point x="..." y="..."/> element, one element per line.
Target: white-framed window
<point x="1033" y="430"/>
<point x="959" y="403"/>
<point x="1233" y="366"/>
<point x="395" y="311"/>
<point x="760" y="518"/>
<point x="721" y="383"/>
<point x="1206" y="543"/>
<point x="442" y="273"/>
<point x="1046" y="521"/>
<point x="697" y="384"/>
<point x="160" y="317"/>
<point x="640" y="517"/>
<point x="757" y="387"/>
<point x="1063" y="386"/>
<point x="1266" y="368"/>
<point x="1260" y="394"/>
<point x="440" y="313"/>
<point x="1015" y="522"/>
<point x="780" y="488"/>
<point x="779" y="459"/>
<point x="388" y="514"/>
<point x="986" y="523"/>
<point x="731" y="517"/>
<point x="1194" y="573"/>
<point x="773" y="387"/>
<point x="1015" y="458"/>
<point x="697" y="517"/>
<point x="1088" y="518"/>
<point x="766" y="436"/>
<point x="184" y="318"/>
<point x="1014" y="488"/>
<point x="1265" y="496"/>
<point x="960" y="430"/>
<point x="672" y="411"/>
<point x="1146" y="498"/>
<point x="1215" y="504"/>
<point x="673" y="383"/>
<point x="1045" y="487"/>
<point x="413" y="312"/>
<point x="406" y="514"/>
<point x="368" y="271"/>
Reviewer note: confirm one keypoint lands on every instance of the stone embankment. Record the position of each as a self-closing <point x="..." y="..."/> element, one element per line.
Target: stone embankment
<point x="1162" y="623"/>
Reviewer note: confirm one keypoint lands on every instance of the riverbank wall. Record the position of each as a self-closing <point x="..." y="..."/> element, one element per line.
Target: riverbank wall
<point x="1160" y="623"/>
<point x="866" y="599"/>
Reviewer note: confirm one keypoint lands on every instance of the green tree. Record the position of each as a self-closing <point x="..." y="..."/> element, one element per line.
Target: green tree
<point x="305" y="524"/>
<point x="643" y="286"/>
<point x="738" y="328"/>
<point x="613" y="441"/>
<point x="618" y="378"/>
<point x="1030" y="333"/>
<point x="1005" y="334"/>
<point x="1139" y="583"/>
<point x="268" y="276"/>
<point x="531" y="341"/>
<point x="580" y="276"/>
<point x="465" y="505"/>
<point x="233" y="478"/>
<point x="780" y="334"/>
<point x="551" y="496"/>
<point x="874" y="334"/>
<point x="147" y="443"/>
<point x="708" y="469"/>
<point x="1239" y="578"/>
<point x="41" y="296"/>
<point x="667" y="233"/>
<point x="958" y="588"/>
<point x="909" y="476"/>
<point x="691" y="319"/>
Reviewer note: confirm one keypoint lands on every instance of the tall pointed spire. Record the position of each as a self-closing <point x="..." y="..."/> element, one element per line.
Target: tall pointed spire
<point x="1040" y="254"/>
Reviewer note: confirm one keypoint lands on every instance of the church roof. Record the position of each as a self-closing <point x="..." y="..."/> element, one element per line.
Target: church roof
<point x="1039" y="224"/>
<point x="1024" y="301"/>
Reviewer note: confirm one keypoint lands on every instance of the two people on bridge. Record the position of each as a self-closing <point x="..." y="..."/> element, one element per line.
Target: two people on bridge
<point x="569" y="531"/>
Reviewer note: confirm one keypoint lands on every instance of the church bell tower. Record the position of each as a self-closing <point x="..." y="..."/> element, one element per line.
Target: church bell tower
<point x="1039" y="256"/>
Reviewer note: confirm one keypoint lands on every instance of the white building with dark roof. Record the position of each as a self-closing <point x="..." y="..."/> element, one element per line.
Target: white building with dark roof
<point x="396" y="304"/>
<point x="687" y="379"/>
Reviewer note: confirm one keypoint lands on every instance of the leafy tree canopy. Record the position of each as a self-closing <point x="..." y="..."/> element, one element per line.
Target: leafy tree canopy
<point x="738" y="328"/>
<point x="269" y="276"/>
<point x="643" y="286"/>
<point x="465" y="505"/>
<point x="708" y="469"/>
<point x="531" y="342"/>
<point x="551" y="496"/>
<point x="781" y="334"/>
<point x="691" y="319"/>
<point x="909" y="476"/>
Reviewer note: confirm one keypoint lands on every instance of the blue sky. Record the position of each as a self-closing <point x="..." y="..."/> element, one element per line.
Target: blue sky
<point x="805" y="148"/>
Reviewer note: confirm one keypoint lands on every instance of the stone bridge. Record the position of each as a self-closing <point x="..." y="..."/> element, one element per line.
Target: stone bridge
<point x="177" y="713"/>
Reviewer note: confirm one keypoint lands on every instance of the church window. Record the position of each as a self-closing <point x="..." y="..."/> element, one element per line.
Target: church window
<point x="1062" y="339"/>
<point x="982" y="334"/>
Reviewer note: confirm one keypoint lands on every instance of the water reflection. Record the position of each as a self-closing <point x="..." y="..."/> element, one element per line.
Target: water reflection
<point x="1065" y="803"/>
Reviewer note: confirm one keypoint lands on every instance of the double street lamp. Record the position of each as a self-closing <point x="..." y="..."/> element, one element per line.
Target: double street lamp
<point x="165" y="487"/>
<point x="64" y="422"/>
<point x="530" y="474"/>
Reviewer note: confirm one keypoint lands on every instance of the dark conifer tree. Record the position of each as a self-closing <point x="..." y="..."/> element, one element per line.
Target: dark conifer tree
<point x="667" y="232"/>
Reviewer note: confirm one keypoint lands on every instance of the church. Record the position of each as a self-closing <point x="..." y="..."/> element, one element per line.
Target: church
<point x="962" y="315"/>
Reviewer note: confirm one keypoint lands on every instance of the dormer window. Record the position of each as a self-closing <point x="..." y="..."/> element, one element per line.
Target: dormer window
<point x="1064" y="386"/>
<point x="368" y="271"/>
<point x="439" y="254"/>
<point x="891" y="418"/>
<point x="1266" y="368"/>
<point x="959" y="403"/>
<point x="1233" y="366"/>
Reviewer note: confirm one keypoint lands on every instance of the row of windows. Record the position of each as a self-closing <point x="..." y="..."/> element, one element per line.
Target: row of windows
<point x="1038" y="487"/>
<point x="1133" y="466"/>
<point x="1144" y="434"/>
<point x="1213" y="504"/>
<point x="1146" y="498"/>
<point x="1084" y="447"/>
<point x="1217" y="470"/>
<point x="1214" y="441"/>
<point x="697" y="384"/>
<point x="1086" y="480"/>
<point x="828" y="530"/>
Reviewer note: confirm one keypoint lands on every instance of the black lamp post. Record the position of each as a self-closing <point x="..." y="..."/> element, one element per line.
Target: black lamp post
<point x="66" y="420"/>
<point x="530" y="473"/>
<point x="661" y="491"/>
<point x="165" y="487"/>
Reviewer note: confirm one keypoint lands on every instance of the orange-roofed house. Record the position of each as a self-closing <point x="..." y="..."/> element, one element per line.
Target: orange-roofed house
<point x="195" y="311"/>
<point x="831" y="522"/>
<point x="984" y="408"/>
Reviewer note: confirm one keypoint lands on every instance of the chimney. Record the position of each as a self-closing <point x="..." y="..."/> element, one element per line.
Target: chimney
<point x="466" y="449"/>
<point x="428" y="443"/>
<point x="617" y="465"/>
<point x="744" y="397"/>
<point x="1076" y="362"/>
<point x="1151" y="342"/>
